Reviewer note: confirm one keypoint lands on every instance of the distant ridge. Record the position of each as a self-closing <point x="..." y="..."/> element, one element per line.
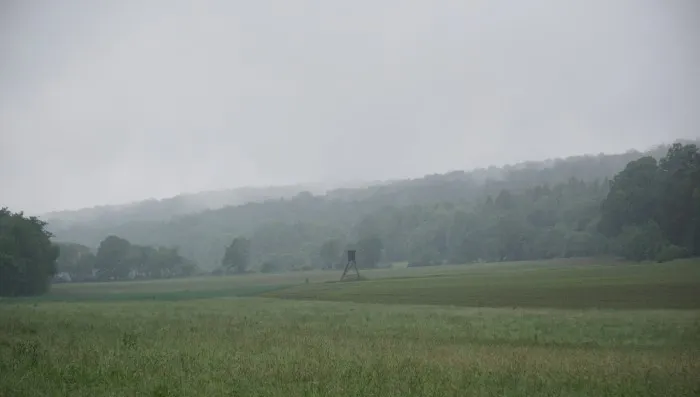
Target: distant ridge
<point x="78" y="225"/>
<point x="183" y="204"/>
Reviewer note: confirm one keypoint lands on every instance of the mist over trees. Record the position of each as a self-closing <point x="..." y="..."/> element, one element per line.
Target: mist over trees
<point x="537" y="210"/>
<point x="166" y="209"/>
<point x="648" y="209"/>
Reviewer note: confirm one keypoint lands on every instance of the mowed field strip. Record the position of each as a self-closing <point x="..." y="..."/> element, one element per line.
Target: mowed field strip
<point x="574" y="285"/>
<point x="560" y="328"/>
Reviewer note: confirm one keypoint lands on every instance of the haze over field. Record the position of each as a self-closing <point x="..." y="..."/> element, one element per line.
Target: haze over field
<point x="111" y="103"/>
<point x="349" y="198"/>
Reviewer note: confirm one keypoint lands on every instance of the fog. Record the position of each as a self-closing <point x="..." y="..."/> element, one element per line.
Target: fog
<point x="110" y="102"/>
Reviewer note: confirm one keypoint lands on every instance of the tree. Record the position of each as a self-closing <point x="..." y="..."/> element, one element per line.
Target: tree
<point x="77" y="260"/>
<point x="330" y="252"/>
<point x="27" y="256"/>
<point x="633" y="197"/>
<point x="118" y="259"/>
<point x="641" y="242"/>
<point x="144" y="261"/>
<point x="237" y="255"/>
<point x="369" y="251"/>
<point x="652" y="203"/>
<point x="113" y="259"/>
<point x="678" y="209"/>
<point x="504" y="200"/>
<point x="270" y="266"/>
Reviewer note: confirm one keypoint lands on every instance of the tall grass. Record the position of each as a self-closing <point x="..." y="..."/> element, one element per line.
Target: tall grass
<point x="254" y="347"/>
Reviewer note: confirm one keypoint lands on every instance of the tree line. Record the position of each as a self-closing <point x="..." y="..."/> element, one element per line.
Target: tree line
<point x="635" y="215"/>
<point x="648" y="210"/>
<point x="118" y="259"/>
<point x="653" y="208"/>
<point x="289" y="232"/>
<point x="331" y="255"/>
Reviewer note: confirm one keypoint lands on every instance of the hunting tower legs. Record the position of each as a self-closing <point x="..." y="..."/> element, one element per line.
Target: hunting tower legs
<point x="351" y="264"/>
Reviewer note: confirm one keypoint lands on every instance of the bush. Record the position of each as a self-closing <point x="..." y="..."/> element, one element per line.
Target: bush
<point x="670" y="252"/>
<point x="269" y="267"/>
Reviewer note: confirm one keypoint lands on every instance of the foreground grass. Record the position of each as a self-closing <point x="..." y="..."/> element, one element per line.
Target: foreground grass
<point x="256" y="347"/>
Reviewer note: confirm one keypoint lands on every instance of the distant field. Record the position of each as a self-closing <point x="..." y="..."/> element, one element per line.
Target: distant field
<point x="252" y="284"/>
<point x="206" y="286"/>
<point x="551" y="285"/>
<point x="579" y="283"/>
<point x="533" y="329"/>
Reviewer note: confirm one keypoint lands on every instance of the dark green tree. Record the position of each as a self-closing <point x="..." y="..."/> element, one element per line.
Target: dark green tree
<point x="114" y="260"/>
<point x="159" y="262"/>
<point x="330" y="253"/>
<point x="633" y="198"/>
<point x="678" y="205"/>
<point x="27" y="256"/>
<point x="641" y="241"/>
<point x="237" y="255"/>
<point x="77" y="260"/>
<point x="369" y="251"/>
<point x="652" y="209"/>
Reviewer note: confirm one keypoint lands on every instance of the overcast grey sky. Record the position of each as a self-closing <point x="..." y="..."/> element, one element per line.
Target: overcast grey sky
<point x="115" y="101"/>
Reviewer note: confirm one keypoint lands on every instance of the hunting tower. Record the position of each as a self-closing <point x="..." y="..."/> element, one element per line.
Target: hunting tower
<point x="351" y="264"/>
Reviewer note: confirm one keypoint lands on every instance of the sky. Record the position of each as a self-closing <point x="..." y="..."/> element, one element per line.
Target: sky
<point x="116" y="101"/>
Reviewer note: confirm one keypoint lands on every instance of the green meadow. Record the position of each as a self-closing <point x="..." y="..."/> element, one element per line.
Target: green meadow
<point x="559" y="328"/>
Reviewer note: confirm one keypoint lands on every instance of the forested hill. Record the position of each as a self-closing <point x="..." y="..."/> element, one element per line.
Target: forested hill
<point x="530" y="210"/>
<point x="183" y="204"/>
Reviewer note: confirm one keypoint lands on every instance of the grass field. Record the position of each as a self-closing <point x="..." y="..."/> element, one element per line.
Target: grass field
<point x="575" y="328"/>
<point x="575" y="285"/>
